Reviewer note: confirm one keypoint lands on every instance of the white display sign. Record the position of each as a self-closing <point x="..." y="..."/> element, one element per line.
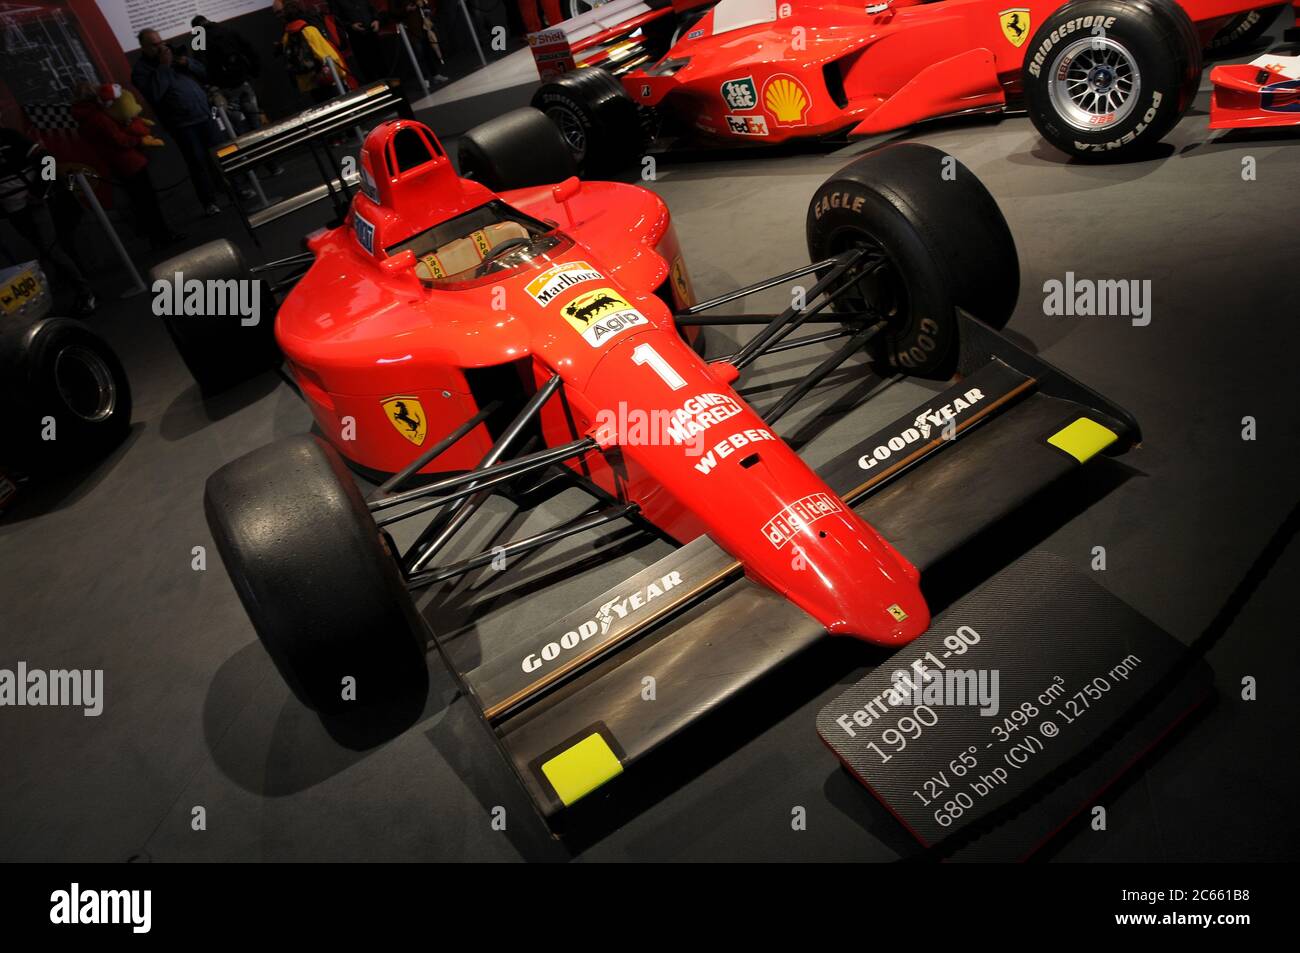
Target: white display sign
<point x="170" y="18"/>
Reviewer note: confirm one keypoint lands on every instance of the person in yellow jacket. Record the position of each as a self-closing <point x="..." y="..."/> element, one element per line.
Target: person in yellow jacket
<point x="307" y="51"/>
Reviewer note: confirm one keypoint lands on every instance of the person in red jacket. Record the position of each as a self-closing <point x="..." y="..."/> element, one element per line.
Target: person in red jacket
<point x="120" y="144"/>
<point x="532" y="17"/>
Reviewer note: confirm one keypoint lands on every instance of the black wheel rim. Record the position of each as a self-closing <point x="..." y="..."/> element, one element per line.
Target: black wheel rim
<point x="85" y="383"/>
<point x="571" y="128"/>
<point x="879" y="290"/>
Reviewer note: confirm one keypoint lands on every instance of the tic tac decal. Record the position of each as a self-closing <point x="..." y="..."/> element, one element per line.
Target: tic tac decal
<point x="407" y="415"/>
<point x="740" y="93"/>
<point x="1015" y="25"/>
<point x="365" y="233"/>
<point x="600" y="315"/>
<point x="787" y="100"/>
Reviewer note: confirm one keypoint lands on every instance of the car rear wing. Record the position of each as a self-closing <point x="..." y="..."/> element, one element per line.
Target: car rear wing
<point x="566" y="708"/>
<point x="611" y="35"/>
<point x="310" y="129"/>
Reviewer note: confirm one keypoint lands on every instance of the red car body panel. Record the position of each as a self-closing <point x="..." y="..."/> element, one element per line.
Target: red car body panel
<point x="361" y="330"/>
<point x="1262" y="93"/>
<point x="826" y="66"/>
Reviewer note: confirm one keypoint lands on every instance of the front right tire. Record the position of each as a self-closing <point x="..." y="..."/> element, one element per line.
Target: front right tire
<point x="1106" y="80"/>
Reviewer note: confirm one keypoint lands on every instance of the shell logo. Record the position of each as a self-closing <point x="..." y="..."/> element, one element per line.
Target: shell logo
<point x="787" y="100"/>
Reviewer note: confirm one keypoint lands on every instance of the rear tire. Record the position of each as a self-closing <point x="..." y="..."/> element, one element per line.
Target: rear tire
<point x="218" y="349"/>
<point x="1115" y="94"/>
<point x="60" y="379"/>
<point x="599" y="122"/>
<point x="516" y="150"/>
<point x="945" y="243"/>
<point x="316" y="575"/>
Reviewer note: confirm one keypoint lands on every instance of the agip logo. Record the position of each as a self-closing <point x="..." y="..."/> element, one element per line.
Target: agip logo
<point x="599" y="315"/>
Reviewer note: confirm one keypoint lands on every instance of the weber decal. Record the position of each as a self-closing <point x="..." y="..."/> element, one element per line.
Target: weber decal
<point x="600" y="315"/>
<point x="798" y="516"/>
<point x="548" y="285"/>
<point x="616" y="610"/>
<point x="929" y="423"/>
<point x="727" y="447"/>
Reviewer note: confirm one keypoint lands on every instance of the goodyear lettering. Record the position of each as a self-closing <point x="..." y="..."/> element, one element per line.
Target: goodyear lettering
<point x="927" y="422"/>
<point x="616" y="610"/>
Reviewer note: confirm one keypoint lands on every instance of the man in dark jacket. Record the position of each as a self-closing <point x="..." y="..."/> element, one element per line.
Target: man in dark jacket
<point x="170" y="84"/>
<point x="359" y="21"/>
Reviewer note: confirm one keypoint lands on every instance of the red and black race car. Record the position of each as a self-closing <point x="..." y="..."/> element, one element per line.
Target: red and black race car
<point x="460" y="337"/>
<point x="1099" y="78"/>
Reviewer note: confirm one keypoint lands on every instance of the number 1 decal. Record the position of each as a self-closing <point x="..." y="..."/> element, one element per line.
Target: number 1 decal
<point x="645" y="354"/>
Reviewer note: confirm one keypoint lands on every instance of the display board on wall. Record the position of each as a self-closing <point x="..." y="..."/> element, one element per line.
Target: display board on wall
<point x="169" y="17"/>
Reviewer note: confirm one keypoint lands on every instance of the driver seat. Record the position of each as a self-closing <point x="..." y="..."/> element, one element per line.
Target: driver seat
<point x="463" y="254"/>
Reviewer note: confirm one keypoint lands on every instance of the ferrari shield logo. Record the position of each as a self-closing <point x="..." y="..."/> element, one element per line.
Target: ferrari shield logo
<point x="406" y="414"/>
<point x="1015" y="25"/>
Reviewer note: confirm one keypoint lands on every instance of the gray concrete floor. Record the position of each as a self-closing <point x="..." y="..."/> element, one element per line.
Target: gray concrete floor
<point x="96" y="572"/>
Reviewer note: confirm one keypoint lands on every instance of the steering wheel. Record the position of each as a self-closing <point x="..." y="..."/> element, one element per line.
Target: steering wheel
<point x="507" y="245"/>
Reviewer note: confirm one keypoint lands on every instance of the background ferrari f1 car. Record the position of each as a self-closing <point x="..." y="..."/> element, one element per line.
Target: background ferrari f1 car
<point x="456" y="341"/>
<point x="1101" y="79"/>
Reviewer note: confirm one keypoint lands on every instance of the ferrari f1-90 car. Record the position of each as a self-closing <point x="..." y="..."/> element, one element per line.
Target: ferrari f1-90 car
<point x="1100" y="79"/>
<point x="455" y="340"/>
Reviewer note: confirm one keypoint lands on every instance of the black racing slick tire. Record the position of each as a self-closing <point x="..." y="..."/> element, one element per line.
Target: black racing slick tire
<point x="209" y="301"/>
<point x="1242" y="32"/>
<point x="516" y="150"/>
<point x="1106" y="80"/>
<point x="599" y="121"/>
<point x="943" y="245"/>
<point x="66" y="398"/>
<point x="317" y="577"/>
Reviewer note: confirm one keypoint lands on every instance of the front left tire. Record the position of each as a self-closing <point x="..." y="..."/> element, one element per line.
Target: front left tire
<point x="318" y="579"/>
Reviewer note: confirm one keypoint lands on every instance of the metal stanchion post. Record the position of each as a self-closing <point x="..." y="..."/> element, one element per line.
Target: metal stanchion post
<point x="415" y="64"/>
<point x="473" y="33"/>
<point x="229" y="126"/>
<point x="342" y="88"/>
<point x="93" y="201"/>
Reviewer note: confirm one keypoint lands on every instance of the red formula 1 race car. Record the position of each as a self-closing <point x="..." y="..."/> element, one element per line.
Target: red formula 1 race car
<point x="456" y="340"/>
<point x="1101" y="79"/>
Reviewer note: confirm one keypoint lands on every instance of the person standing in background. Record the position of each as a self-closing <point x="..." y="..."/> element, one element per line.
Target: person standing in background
<point x="171" y="85"/>
<point x="361" y="23"/>
<point x="533" y="19"/>
<point x="306" y="51"/>
<point x="120" y="147"/>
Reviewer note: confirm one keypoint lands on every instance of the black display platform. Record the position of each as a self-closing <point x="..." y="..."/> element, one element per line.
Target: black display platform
<point x="1023" y="701"/>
